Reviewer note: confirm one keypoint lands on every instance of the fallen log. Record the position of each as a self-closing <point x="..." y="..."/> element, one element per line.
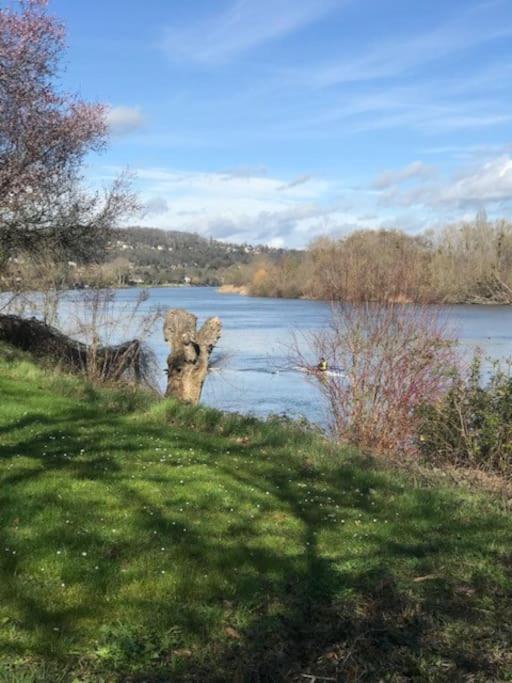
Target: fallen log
<point x="129" y="361"/>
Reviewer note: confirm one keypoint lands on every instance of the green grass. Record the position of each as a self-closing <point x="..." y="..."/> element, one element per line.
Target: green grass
<point x="148" y="541"/>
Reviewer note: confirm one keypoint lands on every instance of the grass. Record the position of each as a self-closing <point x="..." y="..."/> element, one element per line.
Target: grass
<point x="148" y="541"/>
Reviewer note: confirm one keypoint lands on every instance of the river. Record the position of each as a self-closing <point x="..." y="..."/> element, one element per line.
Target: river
<point x="254" y="374"/>
<point x="257" y="334"/>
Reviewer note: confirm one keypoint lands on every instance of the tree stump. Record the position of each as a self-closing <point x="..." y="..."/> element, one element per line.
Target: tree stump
<point x="187" y="364"/>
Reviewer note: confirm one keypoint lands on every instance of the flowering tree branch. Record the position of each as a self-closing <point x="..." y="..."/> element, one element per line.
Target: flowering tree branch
<point x="44" y="136"/>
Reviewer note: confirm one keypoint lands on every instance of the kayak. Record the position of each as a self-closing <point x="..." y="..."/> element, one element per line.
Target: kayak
<point x="331" y="372"/>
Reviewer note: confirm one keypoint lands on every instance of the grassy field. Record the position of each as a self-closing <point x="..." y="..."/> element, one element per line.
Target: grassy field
<point x="147" y="541"/>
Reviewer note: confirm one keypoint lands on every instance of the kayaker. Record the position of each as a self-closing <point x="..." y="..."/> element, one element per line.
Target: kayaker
<point x="322" y="365"/>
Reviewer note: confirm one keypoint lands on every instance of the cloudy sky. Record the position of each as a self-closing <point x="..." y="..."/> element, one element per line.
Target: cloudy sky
<point x="278" y="120"/>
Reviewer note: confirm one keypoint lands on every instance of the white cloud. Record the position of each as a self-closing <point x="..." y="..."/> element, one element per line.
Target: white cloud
<point x="289" y="227"/>
<point x="246" y="172"/>
<point x="417" y="81"/>
<point x="414" y="170"/>
<point x="463" y="152"/>
<point x="390" y="59"/>
<point x="487" y="184"/>
<point x="296" y="182"/>
<point x="241" y="208"/>
<point x="491" y="182"/>
<point x="219" y="187"/>
<point x="247" y="208"/>
<point x="123" y="120"/>
<point x="244" y="25"/>
<point x="430" y="107"/>
<point x="156" y="206"/>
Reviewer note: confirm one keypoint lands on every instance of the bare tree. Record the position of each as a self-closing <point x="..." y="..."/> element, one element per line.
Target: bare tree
<point x="384" y="361"/>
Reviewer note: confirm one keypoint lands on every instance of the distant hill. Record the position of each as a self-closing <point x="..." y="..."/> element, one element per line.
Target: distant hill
<point x="170" y="256"/>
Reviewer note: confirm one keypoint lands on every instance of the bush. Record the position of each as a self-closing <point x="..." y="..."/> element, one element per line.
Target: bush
<point x="471" y="426"/>
<point x="386" y="360"/>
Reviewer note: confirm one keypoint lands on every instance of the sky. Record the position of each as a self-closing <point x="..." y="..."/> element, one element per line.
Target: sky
<point x="276" y="121"/>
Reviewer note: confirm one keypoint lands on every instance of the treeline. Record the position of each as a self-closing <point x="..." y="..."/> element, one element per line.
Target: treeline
<point x="159" y="256"/>
<point x="470" y="262"/>
<point x="135" y="256"/>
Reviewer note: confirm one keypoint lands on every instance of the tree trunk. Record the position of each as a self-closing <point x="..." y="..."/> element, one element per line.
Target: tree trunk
<point x="187" y="364"/>
<point x="102" y="363"/>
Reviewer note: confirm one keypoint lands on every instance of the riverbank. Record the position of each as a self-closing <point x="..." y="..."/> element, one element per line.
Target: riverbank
<point x="245" y="290"/>
<point x="145" y="540"/>
<point x="233" y="289"/>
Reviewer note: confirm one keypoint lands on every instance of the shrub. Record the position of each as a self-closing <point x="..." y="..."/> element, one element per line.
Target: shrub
<point x="386" y="361"/>
<point x="471" y="426"/>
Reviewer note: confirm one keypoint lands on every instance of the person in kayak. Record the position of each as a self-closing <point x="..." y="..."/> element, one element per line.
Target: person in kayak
<point x="322" y="365"/>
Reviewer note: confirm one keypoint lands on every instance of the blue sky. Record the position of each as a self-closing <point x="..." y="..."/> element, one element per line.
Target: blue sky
<point x="279" y="120"/>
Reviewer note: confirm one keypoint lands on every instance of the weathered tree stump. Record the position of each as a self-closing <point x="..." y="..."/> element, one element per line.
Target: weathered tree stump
<point x="187" y="364"/>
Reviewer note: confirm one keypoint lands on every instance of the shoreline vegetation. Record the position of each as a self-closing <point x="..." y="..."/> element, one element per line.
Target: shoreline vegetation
<point x="246" y="292"/>
<point x="467" y="263"/>
<point x="150" y="540"/>
<point x="233" y="289"/>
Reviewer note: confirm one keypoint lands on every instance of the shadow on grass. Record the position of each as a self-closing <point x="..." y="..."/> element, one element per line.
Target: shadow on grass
<point x="309" y="595"/>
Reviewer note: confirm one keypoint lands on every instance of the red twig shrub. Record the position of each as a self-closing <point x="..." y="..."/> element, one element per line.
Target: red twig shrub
<point x="384" y="361"/>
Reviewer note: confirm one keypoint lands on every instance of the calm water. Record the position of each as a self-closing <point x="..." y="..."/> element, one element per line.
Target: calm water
<point x="257" y="335"/>
<point x="254" y="350"/>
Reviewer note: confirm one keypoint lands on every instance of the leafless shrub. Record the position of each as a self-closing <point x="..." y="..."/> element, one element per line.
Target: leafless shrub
<point x="467" y="262"/>
<point x="100" y="320"/>
<point x="383" y="362"/>
<point x="35" y="285"/>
